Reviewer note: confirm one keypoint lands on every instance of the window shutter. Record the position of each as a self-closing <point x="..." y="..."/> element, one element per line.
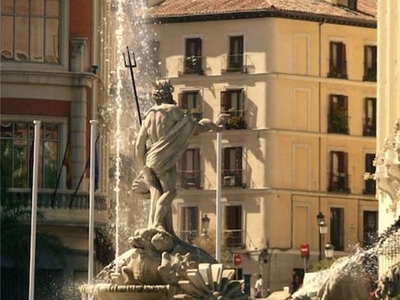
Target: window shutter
<point x="224" y="101"/>
<point x="226" y="159"/>
<point x="344" y="66"/>
<point x="243" y="102"/>
<point x="196" y="158"/>
<point x="199" y="47"/>
<point x="365" y="60"/>
<point x="238" y="158"/>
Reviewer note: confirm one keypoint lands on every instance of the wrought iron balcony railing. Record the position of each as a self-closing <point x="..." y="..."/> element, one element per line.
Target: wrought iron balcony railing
<point x="236" y="120"/>
<point x="337" y="70"/>
<point x="370" y="187"/>
<point x="339" y="182"/>
<point x="234" y="63"/>
<point x="232" y="178"/>
<point x="188" y="235"/>
<point x="192" y="65"/>
<point x="370" y="74"/>
<point x="189" y="179"/>
<point x="233" y="238"/>
<point x="63" y="199"/>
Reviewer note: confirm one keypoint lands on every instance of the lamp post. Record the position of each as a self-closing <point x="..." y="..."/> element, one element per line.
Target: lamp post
<point x="329" y="251"/>
<point x="205" y="222"/>
<point x="323" y="229"/>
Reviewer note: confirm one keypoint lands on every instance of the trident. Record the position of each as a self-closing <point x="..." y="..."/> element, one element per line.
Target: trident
<point x="131" y="66"/>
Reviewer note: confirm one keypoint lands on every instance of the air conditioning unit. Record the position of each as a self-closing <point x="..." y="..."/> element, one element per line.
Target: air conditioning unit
<point x="229" y="181"/>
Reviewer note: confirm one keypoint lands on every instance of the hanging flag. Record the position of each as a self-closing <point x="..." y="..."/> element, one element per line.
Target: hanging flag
<point x="96" y="174"/>
<point x="67" y="164"/>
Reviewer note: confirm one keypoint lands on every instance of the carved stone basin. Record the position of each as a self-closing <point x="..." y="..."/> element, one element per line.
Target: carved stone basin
<point x="108" y="291"/>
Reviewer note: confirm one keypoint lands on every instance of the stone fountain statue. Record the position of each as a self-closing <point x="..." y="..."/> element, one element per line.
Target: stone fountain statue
<point x="159" y="264"/>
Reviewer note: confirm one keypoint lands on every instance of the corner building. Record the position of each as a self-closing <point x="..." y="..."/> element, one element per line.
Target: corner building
<point x="298" y="80"/>
<point x="51" y="71"/>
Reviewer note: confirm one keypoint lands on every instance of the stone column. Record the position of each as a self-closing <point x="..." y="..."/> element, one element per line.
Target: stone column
<point x="79" y="63"/>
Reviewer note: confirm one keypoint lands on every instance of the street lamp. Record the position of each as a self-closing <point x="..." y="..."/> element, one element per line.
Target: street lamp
<point x="205" y="222"/>
<point x="329" y="251"/>
<point x="323" y="229"/>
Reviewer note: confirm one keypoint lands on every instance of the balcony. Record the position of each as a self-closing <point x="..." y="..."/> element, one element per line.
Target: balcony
<point x="337" y="70"/>
<point x="370" y="74"/>
<point x="191" y="65"/>
<point x="188" y="179"/>
<point x="369" y="129"/>
<point x="338" y="121"/>
<point x="196" y="113"/>
<point x="370" y="187"/>
<point x="188" y="235"/>
<point x="339" y="182"/>
<point x="235" y="63"/>
<point x="64" y="206"/>
<point x="233" y="238"/>
<point x="232" y="178"/>
<point x="236" y="120"/>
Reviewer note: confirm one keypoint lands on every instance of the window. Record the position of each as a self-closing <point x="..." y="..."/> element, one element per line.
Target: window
<point x="370" y="228"/>
<point x="190" y="102"/>
<point x="369" y="187"/>
<point x="189" y="223"/>
<point x="193" y="59"/>
<point x="338" y="176"/>
<point x="337" y="228"/>
<point x="233" y="103"/>
<point x="337" y="60"/>
<point x="232" y="167"/>
<point x="17" y="154"/>
<point x="233" y="226"/>
<point x="338" y="120"/>
<point x="370" y="63"/>
<point x="30" y="31"/>
<point x="189" y="169"/>
<point x="369" y="122"/>
<point x="235" y="57"/>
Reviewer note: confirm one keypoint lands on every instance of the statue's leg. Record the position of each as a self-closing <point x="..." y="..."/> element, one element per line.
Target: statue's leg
<point x="163" y="212"/>
<point x="155" y="195"/>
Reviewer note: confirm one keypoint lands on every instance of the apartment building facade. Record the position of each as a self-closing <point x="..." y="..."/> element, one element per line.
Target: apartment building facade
<point x="51" y="71"/>
<point x="298" y="80"/>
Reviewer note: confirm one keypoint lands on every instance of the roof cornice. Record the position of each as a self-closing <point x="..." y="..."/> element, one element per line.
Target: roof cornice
<point x="264" y="14"/>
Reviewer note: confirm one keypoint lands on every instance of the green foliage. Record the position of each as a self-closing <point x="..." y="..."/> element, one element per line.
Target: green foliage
<point x="16" y="235"/>
<point x="207" y="243"/>
<point x="397" y="297"/>
<point x="338" y="120"/>
<point x="322" y="265"/>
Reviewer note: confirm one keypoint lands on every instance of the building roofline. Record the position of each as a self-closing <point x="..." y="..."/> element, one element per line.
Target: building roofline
<point x="265" y="14"/>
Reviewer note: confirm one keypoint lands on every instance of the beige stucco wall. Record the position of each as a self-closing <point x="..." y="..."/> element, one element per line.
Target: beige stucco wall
<point x="286" y="148"/>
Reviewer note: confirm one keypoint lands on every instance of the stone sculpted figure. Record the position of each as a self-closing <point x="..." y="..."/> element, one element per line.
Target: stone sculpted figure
<point x="168" y="129"/>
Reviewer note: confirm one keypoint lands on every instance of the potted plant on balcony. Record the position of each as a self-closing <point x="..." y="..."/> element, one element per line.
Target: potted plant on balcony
<point x="237" y="122"/>
<point x="338" y="119"/>
<point x="193" y="65"/>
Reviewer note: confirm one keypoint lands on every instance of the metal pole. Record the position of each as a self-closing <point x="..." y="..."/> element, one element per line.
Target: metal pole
<point x="218" y="210"/>
<point x="93" y="130"/>
<point x="131" y="66"/>
<point x="35" y="173"/>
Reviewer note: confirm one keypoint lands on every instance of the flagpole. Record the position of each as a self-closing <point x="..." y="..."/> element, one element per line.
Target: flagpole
<point x="93" y="130"/>
<point x="35" y="174"/>
<point x="218" y="210"/>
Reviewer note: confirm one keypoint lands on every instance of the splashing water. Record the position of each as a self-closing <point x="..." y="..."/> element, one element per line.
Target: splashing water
<point x="121" y="115"/>
<point x="355" y="277"/>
